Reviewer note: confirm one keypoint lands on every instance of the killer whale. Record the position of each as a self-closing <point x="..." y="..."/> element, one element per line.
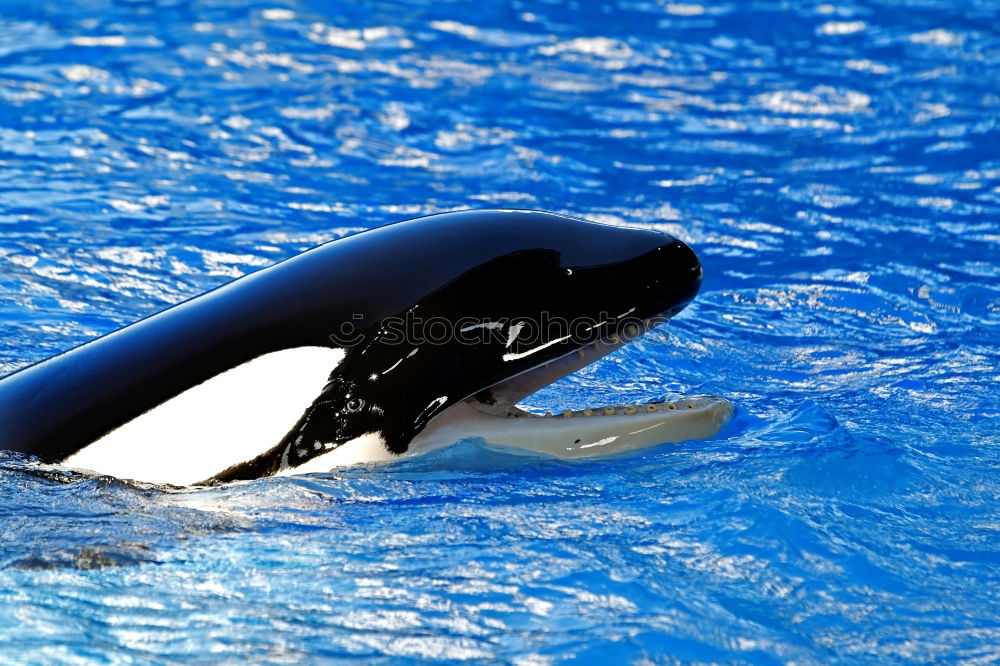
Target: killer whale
<point x="385" y="343"/>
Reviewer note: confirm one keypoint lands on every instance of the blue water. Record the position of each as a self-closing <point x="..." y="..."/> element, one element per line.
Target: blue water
<point x="836" y="166"/>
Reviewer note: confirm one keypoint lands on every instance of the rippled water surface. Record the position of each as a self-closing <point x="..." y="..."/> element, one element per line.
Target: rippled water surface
<point x="836" y="166"/>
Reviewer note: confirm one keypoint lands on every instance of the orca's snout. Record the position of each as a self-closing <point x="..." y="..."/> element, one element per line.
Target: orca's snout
<point x="678" y="272"/>
<point x="686" y="258"/>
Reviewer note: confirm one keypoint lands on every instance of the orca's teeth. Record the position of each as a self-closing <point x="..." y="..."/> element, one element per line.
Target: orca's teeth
<point x="627" y="410"/>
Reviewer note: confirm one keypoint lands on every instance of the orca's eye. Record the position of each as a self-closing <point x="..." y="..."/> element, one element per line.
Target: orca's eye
<point x="355" y="405"/>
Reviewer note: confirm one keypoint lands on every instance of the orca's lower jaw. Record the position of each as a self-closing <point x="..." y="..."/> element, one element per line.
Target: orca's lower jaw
<point x="494" y="416"/>
<point x="597" y="431"/>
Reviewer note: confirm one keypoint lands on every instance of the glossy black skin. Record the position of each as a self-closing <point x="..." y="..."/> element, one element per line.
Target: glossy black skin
<point x="501" y="266"/>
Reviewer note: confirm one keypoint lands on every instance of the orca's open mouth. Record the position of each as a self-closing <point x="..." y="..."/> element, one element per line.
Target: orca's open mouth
<point x="493" y="414"/>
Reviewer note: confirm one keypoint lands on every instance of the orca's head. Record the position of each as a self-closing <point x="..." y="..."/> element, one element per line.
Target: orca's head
<point x="529" y="297"/>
